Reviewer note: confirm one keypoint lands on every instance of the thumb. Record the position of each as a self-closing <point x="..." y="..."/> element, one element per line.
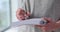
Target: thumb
<point x="48" y="19"/>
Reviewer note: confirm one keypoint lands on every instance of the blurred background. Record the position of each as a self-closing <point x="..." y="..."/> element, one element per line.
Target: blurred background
<point x="8" y="10"/>
<point x="7" y="13"/>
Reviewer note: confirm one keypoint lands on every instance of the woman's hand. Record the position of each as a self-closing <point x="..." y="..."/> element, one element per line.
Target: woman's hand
<point x="21" y="14"/>
<point x="51" y="25"/>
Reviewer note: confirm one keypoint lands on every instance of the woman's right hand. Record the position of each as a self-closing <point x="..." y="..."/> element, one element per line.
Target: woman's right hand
<point x="21" y="14"/>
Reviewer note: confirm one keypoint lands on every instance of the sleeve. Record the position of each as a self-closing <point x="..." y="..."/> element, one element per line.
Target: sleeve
<point x="30" y="7"/>
<point x="56" y="10"/>
<point x="24" y="4"/>
<point x="27" y="5"/>
<point x="21" y="4"/>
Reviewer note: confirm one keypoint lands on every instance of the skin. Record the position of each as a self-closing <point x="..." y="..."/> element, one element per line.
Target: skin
<point x="51" y="26"/>
<point x="21" y="14"/>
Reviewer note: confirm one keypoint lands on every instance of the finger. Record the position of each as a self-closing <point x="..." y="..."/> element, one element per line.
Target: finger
<point x="18" y="12"/>
<point x="48" y="19"/>
<point x="22" y="12"/>
<point x="28" y="13"/>
<point x="21" y="16"/>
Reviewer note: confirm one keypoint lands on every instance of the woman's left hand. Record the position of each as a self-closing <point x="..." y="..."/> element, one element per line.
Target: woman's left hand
<point x="50" y="26"/>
